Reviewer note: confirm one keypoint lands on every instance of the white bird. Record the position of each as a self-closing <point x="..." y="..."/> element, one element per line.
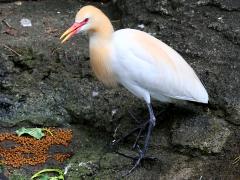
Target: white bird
<point x="144" y="65"/>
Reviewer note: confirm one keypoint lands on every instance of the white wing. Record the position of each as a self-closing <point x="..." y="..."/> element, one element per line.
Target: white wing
<point x="142" y="61"/>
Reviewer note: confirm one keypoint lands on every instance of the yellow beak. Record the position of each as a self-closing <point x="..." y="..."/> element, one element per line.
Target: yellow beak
<point x="70" y="32"/>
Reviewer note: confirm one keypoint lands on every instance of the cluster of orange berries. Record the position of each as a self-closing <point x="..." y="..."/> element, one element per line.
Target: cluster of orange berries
<point x="30" y="151"/>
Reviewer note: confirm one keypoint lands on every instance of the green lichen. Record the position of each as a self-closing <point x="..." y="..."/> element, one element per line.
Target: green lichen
<point x="17" y="175"/>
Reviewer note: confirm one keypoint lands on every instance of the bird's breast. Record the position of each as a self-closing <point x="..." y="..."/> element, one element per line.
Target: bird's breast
<point x="100" y="59"/>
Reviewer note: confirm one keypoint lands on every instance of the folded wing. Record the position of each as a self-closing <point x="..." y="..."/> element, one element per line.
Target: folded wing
<point x="151" y="64"/>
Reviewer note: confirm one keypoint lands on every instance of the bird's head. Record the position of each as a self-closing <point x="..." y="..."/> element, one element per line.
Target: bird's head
<point x="88" y="19"/>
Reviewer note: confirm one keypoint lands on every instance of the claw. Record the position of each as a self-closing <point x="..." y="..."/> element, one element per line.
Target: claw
<point x="136" y="164"/>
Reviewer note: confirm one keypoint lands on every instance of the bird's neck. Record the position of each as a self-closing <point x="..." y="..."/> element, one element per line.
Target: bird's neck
<point x="103" y="29"/>
<point x="100" y="53"/>
<point x="100" y="37"/>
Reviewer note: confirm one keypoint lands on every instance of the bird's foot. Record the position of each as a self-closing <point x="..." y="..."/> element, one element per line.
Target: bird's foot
<point x="148" y="126"/>
<point x="137" y="160"/>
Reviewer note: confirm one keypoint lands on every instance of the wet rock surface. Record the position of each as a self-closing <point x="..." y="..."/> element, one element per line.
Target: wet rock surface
<point x="43" y="83"/>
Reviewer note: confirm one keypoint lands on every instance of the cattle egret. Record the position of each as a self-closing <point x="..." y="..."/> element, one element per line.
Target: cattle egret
<point x="144" y="65"/>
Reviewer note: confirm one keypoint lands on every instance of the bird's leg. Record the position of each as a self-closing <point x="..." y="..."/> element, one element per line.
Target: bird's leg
<point x="151" y="124"/>
<point x="152" y="120"/>
<point x="139" y="134"/>
<point x="126" y="136"/>
<point x="140" y="128"/>
<point x="134" y="117"/>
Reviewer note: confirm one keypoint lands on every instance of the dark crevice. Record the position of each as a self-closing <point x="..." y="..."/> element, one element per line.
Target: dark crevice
<point x="218" y="5"/>
<point x="21" y="66"/>
<point x="192" y="152"/>
<point x="46" y="76"/>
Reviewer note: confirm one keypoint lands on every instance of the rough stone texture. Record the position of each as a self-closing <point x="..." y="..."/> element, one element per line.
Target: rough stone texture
<point x="48" y="84"/>
<point x="43" y="83"/>
<point x="203" y="132"/>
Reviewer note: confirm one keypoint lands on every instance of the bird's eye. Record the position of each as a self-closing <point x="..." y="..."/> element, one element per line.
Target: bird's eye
<point x="86" y="20"/>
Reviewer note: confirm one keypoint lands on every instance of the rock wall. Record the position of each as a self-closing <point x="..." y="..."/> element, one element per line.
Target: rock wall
<point x="43" y="83"/>
<point x="206" y="33"/>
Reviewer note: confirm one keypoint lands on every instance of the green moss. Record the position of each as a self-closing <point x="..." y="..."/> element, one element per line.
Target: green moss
<point x="17" y="175"/>
<point x="93" y="161"/>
